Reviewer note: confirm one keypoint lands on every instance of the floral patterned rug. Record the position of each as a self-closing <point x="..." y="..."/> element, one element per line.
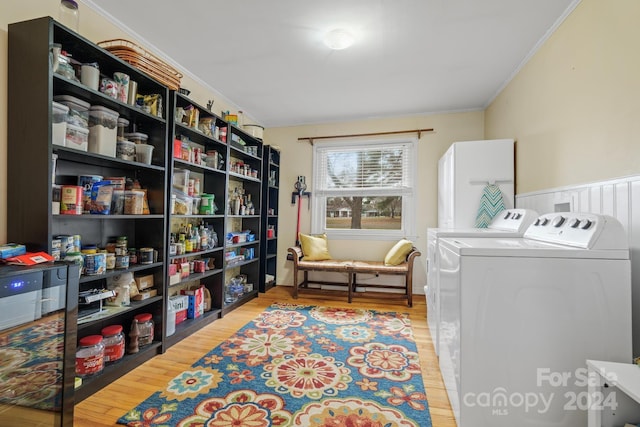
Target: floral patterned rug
<point x="31" y="365"/>
<point x="298" y="365"/>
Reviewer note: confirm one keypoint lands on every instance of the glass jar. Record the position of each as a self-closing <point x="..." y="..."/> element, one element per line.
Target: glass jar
<point x="68" y="14"/>
<point x="90" y="356"/>
<point x="145" y="329"/>
<point x="113" y="339"/>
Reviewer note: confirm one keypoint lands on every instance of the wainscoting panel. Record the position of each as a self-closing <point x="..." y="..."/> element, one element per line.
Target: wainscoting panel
<point x="619" y="198"/>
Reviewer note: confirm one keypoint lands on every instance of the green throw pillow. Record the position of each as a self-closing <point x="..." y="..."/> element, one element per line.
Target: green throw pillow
<point x="398" y="253"/>
<point x="314" y="248"/>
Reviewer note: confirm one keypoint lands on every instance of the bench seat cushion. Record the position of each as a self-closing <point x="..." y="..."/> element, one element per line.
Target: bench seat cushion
<point x="325" y="265"/>
<point x="377" y="266"/>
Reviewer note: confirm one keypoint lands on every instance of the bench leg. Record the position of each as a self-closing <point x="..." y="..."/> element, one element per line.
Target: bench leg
<point x="409" y="286"/>
<point x="351" y="280"/>
<point x="295" y="282"/>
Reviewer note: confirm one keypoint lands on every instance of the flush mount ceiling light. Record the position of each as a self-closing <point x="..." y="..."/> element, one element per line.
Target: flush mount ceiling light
<point x="338" y="39"/>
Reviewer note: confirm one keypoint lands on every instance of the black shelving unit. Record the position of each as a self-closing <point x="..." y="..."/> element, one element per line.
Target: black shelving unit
<point x="270" y="194"/>
<point x="191" y="142"/>
<point x="32" y="84"/>
<point x="244" y="180"/>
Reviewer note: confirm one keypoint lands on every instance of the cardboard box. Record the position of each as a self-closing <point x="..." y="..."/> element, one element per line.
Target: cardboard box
<point x="196" y="302"/>
<point x="179" y="302"/>
<point x="146" y="294"/>
<point x="184" y="270"/>
<point x="174" y="280"/>
<point x="144" y="282"/>
<point x="181" y="316"/>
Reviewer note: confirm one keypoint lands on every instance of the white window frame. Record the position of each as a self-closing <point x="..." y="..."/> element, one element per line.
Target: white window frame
<point x="319" y="202"/>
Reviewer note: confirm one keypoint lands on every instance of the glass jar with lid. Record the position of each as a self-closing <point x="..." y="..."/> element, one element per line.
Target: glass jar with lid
<point x="90" y="356"/>
<point x="145" y="329"/>
<point x="113" y="339"/>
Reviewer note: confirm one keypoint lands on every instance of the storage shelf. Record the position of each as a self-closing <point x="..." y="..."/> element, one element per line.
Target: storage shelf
<point x="88" y="158"/>
<point x="81" y="91"/>
<point x="243" y="177"/>
<point x="197" y="135"/>
<point x="241" y="263"/>
<point x="113" y="371"/>
<point x="239" y="245"/>
<point x="115" y="272"/>
<point x="111" y="312"/>
<point x="197" y="168"/>
<point x="189" y="326"/>
<point x="243" y="299"/>
<point x="198" y="253"/>
<point x="198" y="276"/>
<point x="271" y="256"/>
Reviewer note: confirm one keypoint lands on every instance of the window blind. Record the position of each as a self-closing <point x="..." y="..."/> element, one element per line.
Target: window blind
<point x="369" y="170"/>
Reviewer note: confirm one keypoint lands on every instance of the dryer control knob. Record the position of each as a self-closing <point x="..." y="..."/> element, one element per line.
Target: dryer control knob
<point x="585" y="224"/>
<point x="507" y="215"/>
<point x="558" y="221"/>
<point x="544" y="221"/>
<point x="574" y="223"/>
<point x="517" y="216"/>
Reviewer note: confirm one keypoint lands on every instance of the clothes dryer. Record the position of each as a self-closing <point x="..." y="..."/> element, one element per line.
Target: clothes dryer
<point x="509" y="223"/>
<point x="521" y="316"/>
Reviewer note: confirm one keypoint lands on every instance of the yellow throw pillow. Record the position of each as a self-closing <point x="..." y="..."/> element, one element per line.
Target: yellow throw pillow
<point x="314" y="248"/>
<point x="398" y="253"/>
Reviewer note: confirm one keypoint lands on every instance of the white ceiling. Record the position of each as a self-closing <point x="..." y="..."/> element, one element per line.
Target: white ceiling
<point x="410" y="57"/>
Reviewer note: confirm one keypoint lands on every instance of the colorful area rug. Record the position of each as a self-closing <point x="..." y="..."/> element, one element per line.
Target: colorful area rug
<point x="298" y="365"/>
<point x="31" y="365"/>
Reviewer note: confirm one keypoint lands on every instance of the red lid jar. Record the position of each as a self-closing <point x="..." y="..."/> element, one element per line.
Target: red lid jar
<point x="113" y="339"/>
<point x="90" y="356"/>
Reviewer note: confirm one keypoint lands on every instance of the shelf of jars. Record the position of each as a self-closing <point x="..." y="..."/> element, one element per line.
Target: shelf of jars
<point x="113" y="371"/>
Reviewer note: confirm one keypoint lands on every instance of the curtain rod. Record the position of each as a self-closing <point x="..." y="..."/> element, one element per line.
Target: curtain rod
<point x="355" y="135"/>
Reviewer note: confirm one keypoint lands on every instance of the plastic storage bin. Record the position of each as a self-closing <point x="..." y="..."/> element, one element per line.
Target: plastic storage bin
<point x="103" y="131"/>
<point x="77" y="137"/>
<point x="78" y="110"/>
<point x="133" y="202"/>
<point x="59" y="123"/>
<point x="182" y="204"/>
<point x="126" y="150"/>
<point x="181" y="180"/>
<point x="137" y="137"/>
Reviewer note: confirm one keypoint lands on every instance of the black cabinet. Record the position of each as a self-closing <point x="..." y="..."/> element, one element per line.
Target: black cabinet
<point x="34" y="176"/>
<point x="270" y="193"/>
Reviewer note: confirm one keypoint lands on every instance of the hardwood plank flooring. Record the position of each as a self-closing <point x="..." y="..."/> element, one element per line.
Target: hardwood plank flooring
<point x="107" y="405"/>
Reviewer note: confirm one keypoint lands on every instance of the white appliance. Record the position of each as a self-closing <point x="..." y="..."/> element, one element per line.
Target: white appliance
<point x="509" y="223"/>
<point x="463" y="172"/>
<point x="522" y="315"/>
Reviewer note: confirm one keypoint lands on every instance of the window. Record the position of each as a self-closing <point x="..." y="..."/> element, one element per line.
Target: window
<point x="364" y="190"/>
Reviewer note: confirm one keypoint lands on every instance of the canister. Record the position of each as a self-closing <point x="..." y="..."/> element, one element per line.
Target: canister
<point x="145" y="329"/>
<point x="146" y="256"/>
<point x="95" y="263"/>
<point x="113" y="339"/>
<point x="122" y="261"/>
<point x="90" y="356"/>
<point x="71" y="200"/>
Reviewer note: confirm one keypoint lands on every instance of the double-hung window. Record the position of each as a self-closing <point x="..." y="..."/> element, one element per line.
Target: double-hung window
<point x="364" y="190"/>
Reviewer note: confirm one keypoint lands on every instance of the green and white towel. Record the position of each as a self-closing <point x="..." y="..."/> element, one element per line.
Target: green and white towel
<point x="491" y="204"/>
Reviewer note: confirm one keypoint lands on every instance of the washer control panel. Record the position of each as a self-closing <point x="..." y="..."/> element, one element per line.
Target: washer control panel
<point x="583" y="230"/>
<point x="517" y="220"/>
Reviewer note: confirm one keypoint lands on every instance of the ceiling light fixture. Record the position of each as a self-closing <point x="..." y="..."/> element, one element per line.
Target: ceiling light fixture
<point x="338" y="39"/>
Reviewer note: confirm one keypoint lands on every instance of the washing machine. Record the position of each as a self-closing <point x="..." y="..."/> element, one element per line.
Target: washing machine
<point x="508" y="223"/>
<point x="520" y="316"/>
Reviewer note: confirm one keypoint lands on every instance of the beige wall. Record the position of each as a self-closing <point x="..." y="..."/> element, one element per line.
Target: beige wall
<point x="574" y="109"/>
<point x="296" y="158"/>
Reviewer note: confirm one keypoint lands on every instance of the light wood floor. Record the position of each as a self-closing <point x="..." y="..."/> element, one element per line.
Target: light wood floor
<point x="106" y="406"/>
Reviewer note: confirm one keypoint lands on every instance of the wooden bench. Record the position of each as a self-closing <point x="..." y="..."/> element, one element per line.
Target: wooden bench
<point x="352" y="268"/>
